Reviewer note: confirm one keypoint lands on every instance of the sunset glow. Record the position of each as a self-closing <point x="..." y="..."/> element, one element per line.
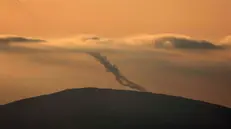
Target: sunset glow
<point x="207" y="19"/>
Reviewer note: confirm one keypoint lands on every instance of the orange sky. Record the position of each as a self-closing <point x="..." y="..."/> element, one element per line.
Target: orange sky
<point x="208" y="19"/>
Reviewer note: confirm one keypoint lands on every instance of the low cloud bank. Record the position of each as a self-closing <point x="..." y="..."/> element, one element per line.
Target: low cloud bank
<point x="94" y="42"/>
<point x="4" y="39"/>
<point x="160" y="41"/>
<point x="183" y="43"/>
<point x="175" y="41"/>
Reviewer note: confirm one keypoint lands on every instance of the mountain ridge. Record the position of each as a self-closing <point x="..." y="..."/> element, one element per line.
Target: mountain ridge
<point x="108" y="89"/>
<point x="106" y="108"/>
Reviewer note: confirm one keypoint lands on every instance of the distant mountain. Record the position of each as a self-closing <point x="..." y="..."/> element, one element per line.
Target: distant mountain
<point x="92" y="108"/>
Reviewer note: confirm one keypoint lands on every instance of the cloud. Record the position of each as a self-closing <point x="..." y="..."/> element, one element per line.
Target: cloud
<point x="91" y="42"/>
<point x="6" y="39"/>
<point x="183" y="43"/>
<point x="145" y="39"/>
<point x="176" y="41"/>
<point x="226" y="41"/>
<point x="158" y="41"/>
<point x="11" y="42"/>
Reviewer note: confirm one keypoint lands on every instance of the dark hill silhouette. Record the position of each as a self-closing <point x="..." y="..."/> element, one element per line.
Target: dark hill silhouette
<point x="92" y="108"/>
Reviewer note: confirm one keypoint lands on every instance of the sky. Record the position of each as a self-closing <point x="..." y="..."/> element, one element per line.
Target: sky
<point x="132" y="35"/>
<point x="173" y="65"/>
<point x="207" y="19"/>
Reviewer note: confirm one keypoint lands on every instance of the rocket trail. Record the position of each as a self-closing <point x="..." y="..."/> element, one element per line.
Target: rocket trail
<point x="116" y="72"/>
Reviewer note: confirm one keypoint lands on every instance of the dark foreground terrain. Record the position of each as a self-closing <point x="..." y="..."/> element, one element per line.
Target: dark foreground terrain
<point x="92" y="108"/>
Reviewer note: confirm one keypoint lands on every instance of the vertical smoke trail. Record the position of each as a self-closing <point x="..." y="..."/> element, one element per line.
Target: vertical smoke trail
<point x="116" y="72"/>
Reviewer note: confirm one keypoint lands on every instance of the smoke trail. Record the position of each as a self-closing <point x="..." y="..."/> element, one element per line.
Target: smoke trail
<point x="115" y="71"/>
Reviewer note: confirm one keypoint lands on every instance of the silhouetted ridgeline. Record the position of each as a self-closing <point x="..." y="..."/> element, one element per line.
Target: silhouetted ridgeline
<point x="92" y="108"/>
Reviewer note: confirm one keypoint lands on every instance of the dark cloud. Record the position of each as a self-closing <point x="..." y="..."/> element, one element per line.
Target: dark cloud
<point x="96" y="38"/>
<point x="6" y="43"/>
<point x="19" y="39"/>
<point x="184" y="43"/>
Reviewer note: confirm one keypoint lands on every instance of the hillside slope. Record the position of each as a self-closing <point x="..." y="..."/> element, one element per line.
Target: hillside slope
<point x="111" y="109"/>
